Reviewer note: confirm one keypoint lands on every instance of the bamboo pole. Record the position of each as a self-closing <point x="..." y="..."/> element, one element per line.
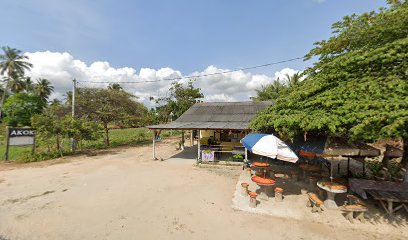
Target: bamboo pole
<point x="154" y="145"/>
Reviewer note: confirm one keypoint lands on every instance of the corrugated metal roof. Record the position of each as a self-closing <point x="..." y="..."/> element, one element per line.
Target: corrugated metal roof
<point x="202" y="125"/>
<point x="217" y="115"/>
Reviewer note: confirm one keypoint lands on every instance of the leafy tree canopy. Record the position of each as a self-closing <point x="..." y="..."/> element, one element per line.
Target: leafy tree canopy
<point x="359" y="85"/>
<point x="54" y="126"/>
<point x="179" y="99"/>
<point x="20" y="107"/>
<point x="109" y="106"/>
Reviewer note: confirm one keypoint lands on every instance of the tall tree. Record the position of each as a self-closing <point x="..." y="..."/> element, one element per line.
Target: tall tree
<point x="20" y="107"/>
<point x="55" y="102"/>
<point x="16" y="83"/>
<point x="271" y="91"/>
<point x="28" y="85"/>
<point x="178" y="100"/>
<point x="109" y="107"/>
<point x="115" y="86"/>
<point x="13" y="64"/>
<point x="43" y="88"/>
<point x="358" y="87"/>
<point x="293" y="80"/>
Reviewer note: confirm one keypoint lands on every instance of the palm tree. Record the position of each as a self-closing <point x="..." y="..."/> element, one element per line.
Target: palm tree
<point x="270" y="92"/>
<point x="55" y="102"/>
<point x="28" y="85"/>
<point x="293" y="80"/>
<point x="115" y="86"/>
<point x="15" y="84"/>
<point x="12" y="63"/>
<point x="43" y="88"/>
<point x="12" y="60"/>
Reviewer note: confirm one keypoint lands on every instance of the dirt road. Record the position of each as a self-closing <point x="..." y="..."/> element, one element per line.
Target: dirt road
<point x="125" y="195"/>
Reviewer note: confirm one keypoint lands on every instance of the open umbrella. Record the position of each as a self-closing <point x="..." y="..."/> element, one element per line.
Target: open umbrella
<point x="269" y="146"/>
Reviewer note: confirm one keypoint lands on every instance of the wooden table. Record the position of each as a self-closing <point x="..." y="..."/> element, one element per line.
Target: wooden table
<point x="331" y="193"/>
<point x="361" y="186"/>
<point x="390" y="201"/>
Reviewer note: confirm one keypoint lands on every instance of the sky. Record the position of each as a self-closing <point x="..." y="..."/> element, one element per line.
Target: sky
<point x="132" y="40"/>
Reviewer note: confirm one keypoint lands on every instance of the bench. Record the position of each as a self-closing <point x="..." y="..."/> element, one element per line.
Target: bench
<point x="355" y="208"/>
<point x="315" y="203"/>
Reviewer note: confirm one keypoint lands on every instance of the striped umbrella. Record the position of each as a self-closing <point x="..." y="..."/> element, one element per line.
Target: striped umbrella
<point x="269" y="146"/>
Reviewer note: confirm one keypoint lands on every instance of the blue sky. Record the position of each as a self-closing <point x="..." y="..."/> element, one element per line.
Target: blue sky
<point x="186" y="36"/>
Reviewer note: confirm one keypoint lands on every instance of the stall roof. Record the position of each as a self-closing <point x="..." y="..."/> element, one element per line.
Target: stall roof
<point x="337" y="146"/>
<point x="217" y="115"/>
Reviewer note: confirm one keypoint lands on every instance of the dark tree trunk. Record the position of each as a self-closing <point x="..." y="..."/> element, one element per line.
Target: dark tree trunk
<point x="105" y="126"/>
<point x="3" y="97"/>
<point x="58" y="143"/>
<point x="404" y="161"/>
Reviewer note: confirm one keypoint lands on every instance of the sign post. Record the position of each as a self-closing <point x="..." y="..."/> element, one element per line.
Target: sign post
<point x="19" y="137"/>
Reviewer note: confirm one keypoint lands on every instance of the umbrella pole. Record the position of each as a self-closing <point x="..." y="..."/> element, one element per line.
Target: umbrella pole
<point x="331" y="170"/>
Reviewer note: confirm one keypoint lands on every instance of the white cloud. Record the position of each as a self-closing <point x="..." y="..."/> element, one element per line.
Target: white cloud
<point x="61" y="68"/>
<point x="319" y="1"/>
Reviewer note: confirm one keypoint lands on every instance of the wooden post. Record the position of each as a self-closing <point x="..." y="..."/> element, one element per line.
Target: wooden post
<point x="198" y="145"/>
<point x="73" y="142"/>
<point x="7" y="144"/>
<point x="182" y="140"/>
<point x="191" y="138"/>
<point x="154" y="145"/>
<point x="33" y="148"/>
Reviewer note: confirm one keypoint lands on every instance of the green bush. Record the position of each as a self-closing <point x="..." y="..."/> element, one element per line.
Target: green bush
<point x="374" y="167"/>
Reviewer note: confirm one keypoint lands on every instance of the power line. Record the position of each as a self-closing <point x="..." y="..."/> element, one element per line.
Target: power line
<point x="203" y="75"/>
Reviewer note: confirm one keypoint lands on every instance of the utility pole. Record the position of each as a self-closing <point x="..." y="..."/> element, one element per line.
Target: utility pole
<point x="74" y="82"/>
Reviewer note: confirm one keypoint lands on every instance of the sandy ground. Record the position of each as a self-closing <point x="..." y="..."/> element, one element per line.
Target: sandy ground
<point x="294" y="206"/>
<point x="122" y="194"/>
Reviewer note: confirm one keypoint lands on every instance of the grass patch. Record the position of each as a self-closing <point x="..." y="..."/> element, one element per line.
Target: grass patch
<point x="47" y="150"/>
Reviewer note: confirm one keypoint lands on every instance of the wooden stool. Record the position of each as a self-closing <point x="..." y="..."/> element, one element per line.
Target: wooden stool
<point x="252" y="199"/>
<point x="244" y="189"/>
<point x="278" y="194"/>
<point x="315" y="203"/>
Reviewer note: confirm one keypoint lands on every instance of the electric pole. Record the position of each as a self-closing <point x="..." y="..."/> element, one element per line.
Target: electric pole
<point x="74" y="82"/>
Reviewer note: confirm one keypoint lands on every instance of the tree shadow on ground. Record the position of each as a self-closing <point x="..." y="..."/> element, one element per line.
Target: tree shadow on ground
<point x="189" y="153"/>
